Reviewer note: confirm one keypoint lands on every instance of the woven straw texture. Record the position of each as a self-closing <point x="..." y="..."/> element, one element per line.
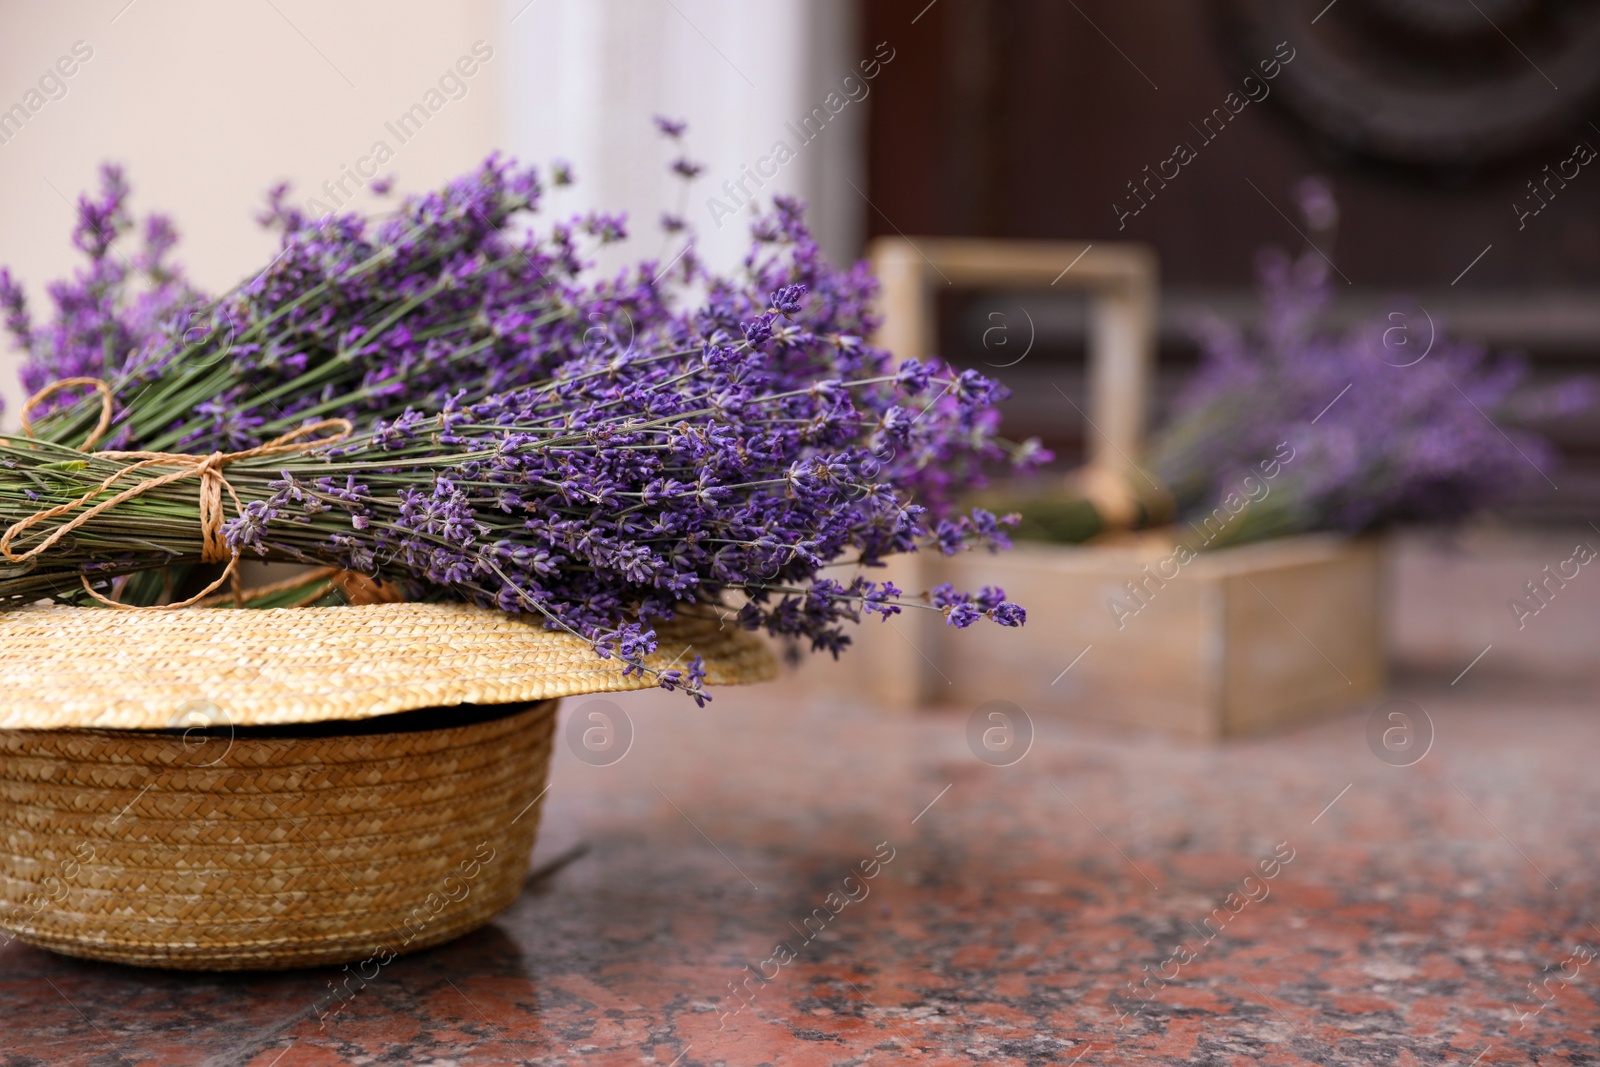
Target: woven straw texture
<point x="65" y="667"/>
<point x="241" y="852"/>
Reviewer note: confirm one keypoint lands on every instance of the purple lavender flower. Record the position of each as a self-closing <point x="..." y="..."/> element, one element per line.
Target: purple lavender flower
<point x="787" y="300"/>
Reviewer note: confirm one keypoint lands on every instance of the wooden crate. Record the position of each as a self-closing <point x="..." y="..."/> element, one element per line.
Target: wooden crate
<point x="1242" y="640"/>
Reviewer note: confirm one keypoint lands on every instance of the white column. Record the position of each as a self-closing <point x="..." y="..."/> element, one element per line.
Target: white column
<point x="588" y="75"/>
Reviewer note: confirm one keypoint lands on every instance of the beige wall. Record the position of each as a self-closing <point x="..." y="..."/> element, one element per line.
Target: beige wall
<point x="207" y="103"/>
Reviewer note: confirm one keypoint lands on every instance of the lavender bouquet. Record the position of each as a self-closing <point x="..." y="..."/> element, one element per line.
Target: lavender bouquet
<point x="615" y="495"/>
<point x="718" y="457"/>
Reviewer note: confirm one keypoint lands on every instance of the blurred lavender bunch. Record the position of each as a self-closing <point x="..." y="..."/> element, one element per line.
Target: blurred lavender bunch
<point x="1389" y="421"/>
<point x="1363" y="439"/>
<point x="109" y="308"/>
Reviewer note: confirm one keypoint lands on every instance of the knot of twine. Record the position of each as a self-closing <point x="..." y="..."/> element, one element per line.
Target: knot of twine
<point x="214" y="546"/>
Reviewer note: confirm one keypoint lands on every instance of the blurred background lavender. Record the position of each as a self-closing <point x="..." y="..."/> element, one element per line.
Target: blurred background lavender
<point x="1383" y="421"/>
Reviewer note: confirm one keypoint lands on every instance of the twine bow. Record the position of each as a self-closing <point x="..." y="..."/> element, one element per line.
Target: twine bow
<point x="213" y="483"/>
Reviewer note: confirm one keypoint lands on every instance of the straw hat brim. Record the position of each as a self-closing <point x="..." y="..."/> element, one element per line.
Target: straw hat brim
<point x="74" y="668"/>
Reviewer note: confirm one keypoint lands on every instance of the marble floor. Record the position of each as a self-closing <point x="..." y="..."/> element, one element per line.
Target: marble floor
<point x="1105" y="899"/>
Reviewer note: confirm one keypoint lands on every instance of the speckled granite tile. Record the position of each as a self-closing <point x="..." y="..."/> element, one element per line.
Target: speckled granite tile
<point x="1409" y="918"/>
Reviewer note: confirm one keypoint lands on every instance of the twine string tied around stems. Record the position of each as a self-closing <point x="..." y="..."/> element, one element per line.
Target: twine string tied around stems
<point x="208" y="469"/>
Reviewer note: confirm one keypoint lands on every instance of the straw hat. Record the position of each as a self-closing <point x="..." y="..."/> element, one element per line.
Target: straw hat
<point x="286" y="831"/>
<point x="64" y="667"/>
